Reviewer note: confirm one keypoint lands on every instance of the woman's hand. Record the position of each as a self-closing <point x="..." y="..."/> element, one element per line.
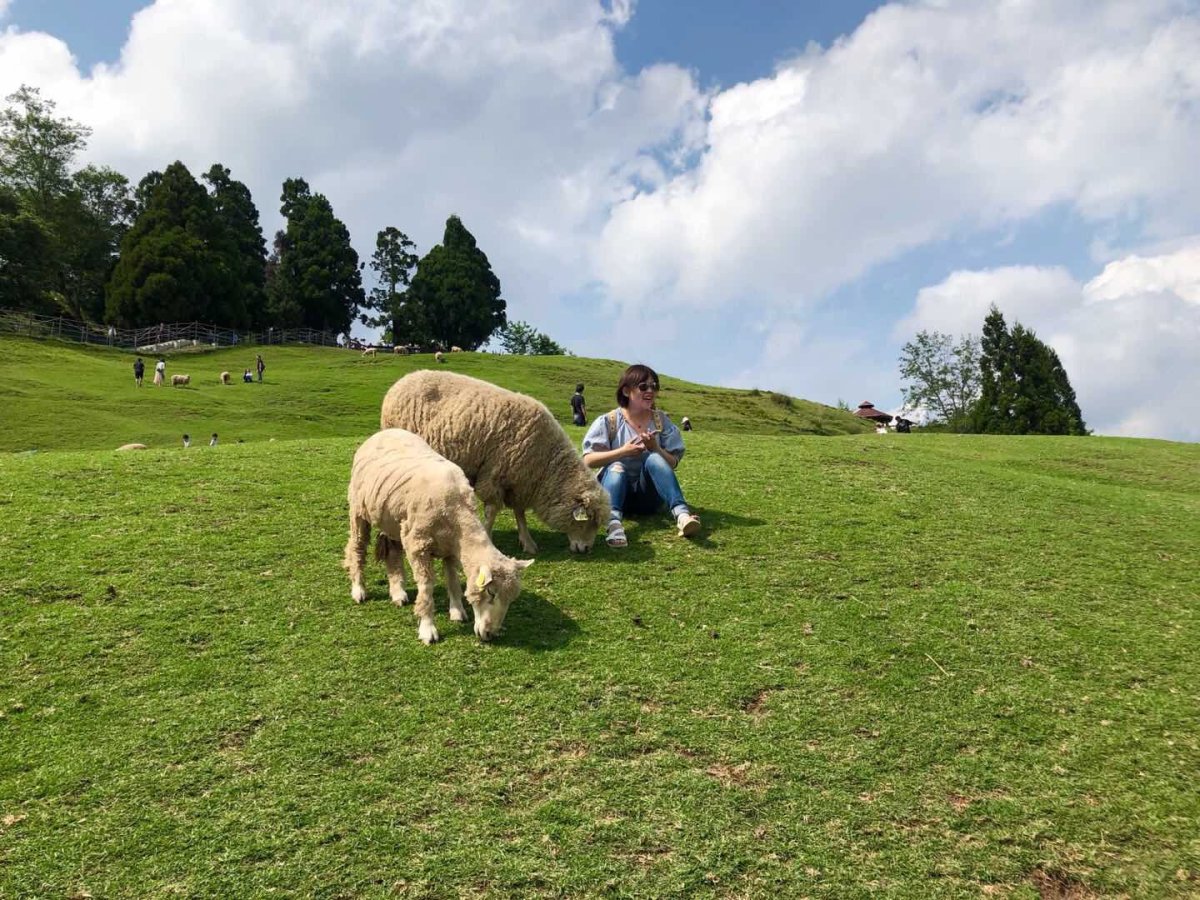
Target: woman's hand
<point x="649" y="440"/>
<point x="635" y="447"/>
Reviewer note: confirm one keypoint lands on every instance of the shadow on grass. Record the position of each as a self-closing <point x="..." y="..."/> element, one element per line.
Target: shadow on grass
<point x="536" y="624"/>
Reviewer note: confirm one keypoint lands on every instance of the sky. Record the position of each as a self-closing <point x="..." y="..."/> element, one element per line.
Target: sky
<point x="766" y="194"/>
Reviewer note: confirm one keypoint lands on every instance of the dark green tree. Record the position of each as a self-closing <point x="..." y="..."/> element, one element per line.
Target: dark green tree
<point x="1024" y="386"/>
<point x="522" y="339"/>
<point x="145" y="190"/>
<point x="942" y="376"/>
<point x="174" y="261"/>
<point x="235" y="209"/>
<point x="37" y="150"/>
<point x="454" y="298"/>
<point x="316" y="278"/>
<point x="392" y="262"/>
<point x="98" y="212"/>
<point x="25" y="257"/>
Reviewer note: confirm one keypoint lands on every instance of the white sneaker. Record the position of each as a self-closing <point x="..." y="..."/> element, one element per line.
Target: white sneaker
<point x="689" y="525"/>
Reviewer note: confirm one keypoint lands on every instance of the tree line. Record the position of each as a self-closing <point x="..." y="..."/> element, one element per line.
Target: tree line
<point x="86" y="244"/>
<point x="1006" y="381"/>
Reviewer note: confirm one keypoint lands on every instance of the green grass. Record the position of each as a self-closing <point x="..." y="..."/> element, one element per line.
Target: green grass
<point x="61" y="396"/>
<point x="908" y="666"/>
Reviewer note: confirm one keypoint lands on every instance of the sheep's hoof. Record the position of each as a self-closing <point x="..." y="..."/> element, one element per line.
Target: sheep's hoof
<point x="428" y="633"/>
<point x="401" y="600"/>
<point x="458" y="615"/>
<point x="529" y="546"/>
<point x="358" y="593"/>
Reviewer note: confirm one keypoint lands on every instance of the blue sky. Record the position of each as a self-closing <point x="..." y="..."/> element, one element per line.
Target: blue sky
<point x="770" y="194"/>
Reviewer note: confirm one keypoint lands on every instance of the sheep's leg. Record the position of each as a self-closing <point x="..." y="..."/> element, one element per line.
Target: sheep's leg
<point x="454" y="590"/>
<point x="527" y="542"/>
<point x="490" y="511"/>
<point x="392" y="553"/>
<point x="425" y="576"/>
<point x="356" y="556"/>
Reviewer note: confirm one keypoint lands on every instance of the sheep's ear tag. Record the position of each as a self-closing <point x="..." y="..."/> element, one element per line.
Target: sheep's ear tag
<point x="579" y="514"/>
<point x="481" y="580"/>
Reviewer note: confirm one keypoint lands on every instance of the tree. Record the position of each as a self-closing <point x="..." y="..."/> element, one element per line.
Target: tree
<point x="98" y="214"/>
<point x="1025" y="388"/>
<point x="522" y="339"/>
<point x="247" y="259"/>
<point x="174" y="260"/>
<point x="943" y="376"/>
<point x="316" y="280"/>
<point x="454" y="298"/>
<point x="391" y="262"/>
<point x="37" y="149"/>
<point x="24" y="255"/>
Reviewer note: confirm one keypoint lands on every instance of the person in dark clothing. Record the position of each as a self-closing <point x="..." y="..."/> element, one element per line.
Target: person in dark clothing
<point x="260" y="365"/>
<point x="139" y="369"/>
<point x="578" y="407"/>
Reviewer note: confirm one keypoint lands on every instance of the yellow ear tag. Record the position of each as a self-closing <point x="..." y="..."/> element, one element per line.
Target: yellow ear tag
<point x="481" y="580"/>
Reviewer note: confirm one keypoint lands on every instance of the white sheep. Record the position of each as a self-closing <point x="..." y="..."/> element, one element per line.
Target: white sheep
<point x="456" y="349"/>
<point x="224" y="378"/>
<point x="510" y="447"/>
<point x="132" y="447"/>
<point x="423" y="507"/>
<point x="439" y="356"/>
<point x="370" y="351"/>
<point x="177" y="380"/>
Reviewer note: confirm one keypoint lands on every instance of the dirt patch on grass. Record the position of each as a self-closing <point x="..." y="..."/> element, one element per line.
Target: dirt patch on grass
<point x="755" y="704"/>
<point x="1052" y="885"/>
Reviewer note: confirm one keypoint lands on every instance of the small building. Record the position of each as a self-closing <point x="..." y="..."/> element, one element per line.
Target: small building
<point x="867" y="410"/>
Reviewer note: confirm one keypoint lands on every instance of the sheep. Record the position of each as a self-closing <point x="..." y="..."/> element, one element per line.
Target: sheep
<point x="132" y="447"/>
<point x="400" y="350"/>
<point x="177" y="380"/>
<point x="439" y="356"/>
<point x="456" y="349"/>
<point x="423" y="507"/>
<point x="224" y="378"/>
<point x="509" y="446"/>
<point x="370" y="351"/>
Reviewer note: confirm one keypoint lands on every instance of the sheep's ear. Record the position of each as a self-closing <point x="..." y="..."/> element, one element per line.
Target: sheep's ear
<point x="484" y="578"/>
<point x="580" y="513"/>
<point x="523" y="563"/>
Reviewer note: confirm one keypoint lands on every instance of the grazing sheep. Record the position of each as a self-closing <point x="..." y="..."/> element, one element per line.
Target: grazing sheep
<point x="423" y="506"/>
<point x="224" y="378"/>
<point x="509" y="446"/>
<point x="177" y="380"/>
<point x="400" y="350"/>
<point x="456" y="349"/>
<point x="370" y="351"/>
<point x="439" y="356"/>
<point x="132" y="447"/>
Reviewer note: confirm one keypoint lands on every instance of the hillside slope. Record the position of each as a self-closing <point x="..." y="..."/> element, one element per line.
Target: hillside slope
<point x="63" y="396"/>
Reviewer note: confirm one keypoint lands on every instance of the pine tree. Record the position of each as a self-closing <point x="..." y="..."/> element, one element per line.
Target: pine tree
<point x="1025" y="389"/>
<point x="174" y="260"/>
<point x="316" y="280"/>
<point x="454" y="298"/>
<point x="392" y="262"/>
<point x="235" y="208"/>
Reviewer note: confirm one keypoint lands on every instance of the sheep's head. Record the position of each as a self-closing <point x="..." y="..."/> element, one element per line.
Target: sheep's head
<point x="490" y="591"/>
<point x="589" y="512"/>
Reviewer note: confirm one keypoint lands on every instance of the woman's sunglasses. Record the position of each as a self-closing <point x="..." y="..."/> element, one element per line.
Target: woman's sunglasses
<point x="647" y="386"/>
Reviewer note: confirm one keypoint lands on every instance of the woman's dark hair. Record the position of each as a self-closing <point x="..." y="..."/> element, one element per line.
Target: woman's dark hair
<point x="632" y="377"/>
<point x="579" y="388"/>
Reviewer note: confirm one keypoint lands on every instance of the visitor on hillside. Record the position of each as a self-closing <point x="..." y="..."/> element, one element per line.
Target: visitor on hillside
<point x="637" y="447"/>
<point x="213" y="442"/>
<point x="260" y="365"/>
<point x="160" y="371"/>
<point x="880" y="428"/>
<point x="247" y="377"/>
<point x="139" y="369"/>
<point x="685" y="424"/>
<point x="187" y="441"/>
<point x="578" y="406"/>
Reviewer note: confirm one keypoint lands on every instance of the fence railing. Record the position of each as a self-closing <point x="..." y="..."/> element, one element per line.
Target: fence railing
<point x="156" y="338"/>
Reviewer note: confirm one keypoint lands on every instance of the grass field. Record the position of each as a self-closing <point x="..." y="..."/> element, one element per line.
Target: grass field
<point x="910" y="666"/>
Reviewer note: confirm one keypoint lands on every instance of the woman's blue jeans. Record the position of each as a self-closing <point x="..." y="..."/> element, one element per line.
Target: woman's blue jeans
<point x="649" y="491"/>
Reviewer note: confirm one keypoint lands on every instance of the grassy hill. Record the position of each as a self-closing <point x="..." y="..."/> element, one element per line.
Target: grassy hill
<point x="63" y="396"/>
<point x="911" y="666"/>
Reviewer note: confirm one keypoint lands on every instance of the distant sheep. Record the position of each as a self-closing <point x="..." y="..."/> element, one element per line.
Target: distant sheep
<point x="177" y="380"/>
<point x="456" y="349"/>
<point x="132" y="447"/>
<point x="224" y="378"/>
<point x="400" y="351"/>
<point x="439" y="356"/>
<point x="423" y="507"/>
<point x="370" y="351"/>
<point x="510" y="447"/>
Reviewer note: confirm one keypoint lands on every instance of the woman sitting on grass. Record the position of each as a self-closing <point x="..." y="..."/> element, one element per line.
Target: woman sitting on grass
<point x="637" y="448"/>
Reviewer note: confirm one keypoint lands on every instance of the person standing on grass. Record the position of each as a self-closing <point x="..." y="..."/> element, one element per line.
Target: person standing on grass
<point x="139" y="369"/>
<point x="160" y="371"/>
<point x="637" y="447"/>
<point x="187" y="441"/>
<point x="213" y="442"/>
<point x="578" y="407"/>
<point x="260" y="365"/>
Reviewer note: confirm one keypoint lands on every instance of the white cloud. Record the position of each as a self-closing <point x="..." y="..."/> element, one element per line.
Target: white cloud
<point x="1127" y="337"/>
